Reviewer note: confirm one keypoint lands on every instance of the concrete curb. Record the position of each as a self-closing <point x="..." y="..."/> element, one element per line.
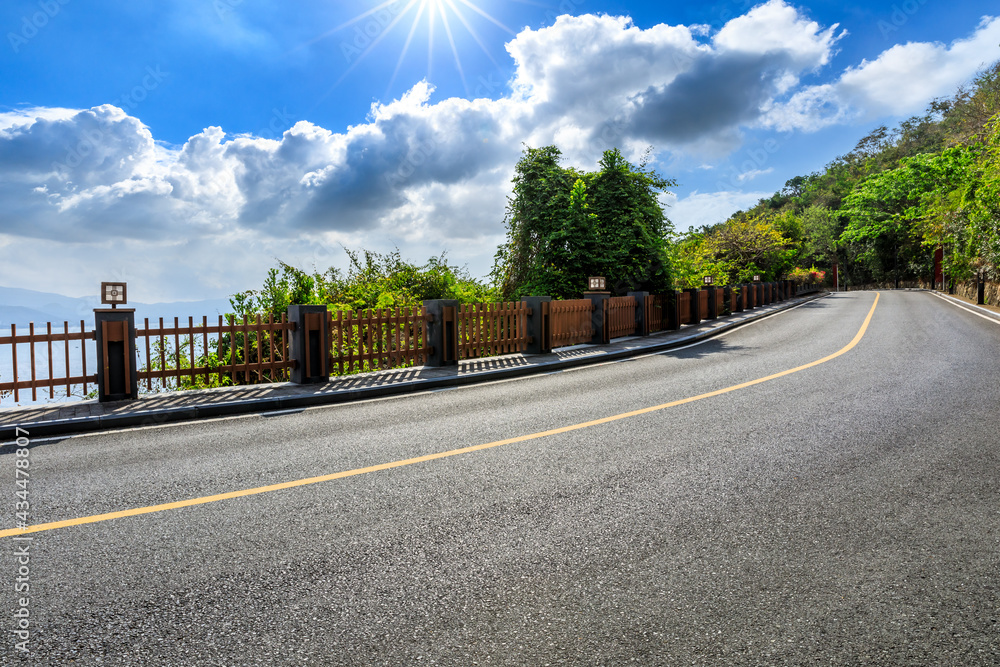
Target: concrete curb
<point x="271" y="404"/>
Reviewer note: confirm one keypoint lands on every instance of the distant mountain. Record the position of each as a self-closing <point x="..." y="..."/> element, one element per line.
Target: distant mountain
<point x="21" y="306"/>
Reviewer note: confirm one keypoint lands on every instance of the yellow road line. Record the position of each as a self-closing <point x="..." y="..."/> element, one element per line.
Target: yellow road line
<point x="55" y="525"/>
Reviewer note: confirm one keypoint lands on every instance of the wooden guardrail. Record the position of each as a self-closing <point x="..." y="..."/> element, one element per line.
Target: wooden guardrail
<point x="250" y="351"/>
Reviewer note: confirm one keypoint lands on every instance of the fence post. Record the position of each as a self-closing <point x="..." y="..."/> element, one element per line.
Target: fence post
<point x="538" y="327"/>
<point x="116" y="358"/>
<point x="713" y="308"/>
<point x="981" y="291"/>
<point x="672" y="310"/>
<point x="727" y="299"/>
<point x="442" y="332"/>
<point x="696" y="314"/>
<point x="599" y="319"/>
<point x="641" y="320"/>
<point x="309" y="344"/>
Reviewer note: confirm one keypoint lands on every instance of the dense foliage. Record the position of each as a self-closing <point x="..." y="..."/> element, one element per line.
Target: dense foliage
<point x="882" y="210"/>
<point x="372" y="281"/>
<point x="564" y="225"/>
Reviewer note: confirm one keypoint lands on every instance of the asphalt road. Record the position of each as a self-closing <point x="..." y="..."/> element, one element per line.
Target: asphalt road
<point x="844" y="514"/>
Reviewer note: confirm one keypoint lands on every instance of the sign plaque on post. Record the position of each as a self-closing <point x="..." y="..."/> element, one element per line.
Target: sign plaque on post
<point x="114" y="294"/>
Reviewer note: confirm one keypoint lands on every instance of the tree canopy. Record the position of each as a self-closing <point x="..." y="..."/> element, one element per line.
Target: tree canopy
<point x="881" y="210"/>
<point x="564" y="225"/>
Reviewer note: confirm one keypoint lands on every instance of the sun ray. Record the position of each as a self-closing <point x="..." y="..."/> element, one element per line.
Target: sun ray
<point x="454" y="50"/>
<point x="406" y="47"/>
<point x="431" y="5"/>
<point x="359" y="17"/>
<point x="486" y="16"/>
<point x="375" y="42"/>
<point x="435" y="9"/>
<point x="472" y="31"/>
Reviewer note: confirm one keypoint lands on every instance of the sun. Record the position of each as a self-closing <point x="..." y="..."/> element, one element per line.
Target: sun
<point x="432" y="16"/>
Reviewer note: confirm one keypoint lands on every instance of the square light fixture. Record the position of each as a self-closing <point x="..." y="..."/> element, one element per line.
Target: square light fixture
<point x="597" y="284"/>
<point x="708" y="280"/>
<point x="756" y="279"/>
<point x="114" y="293"/>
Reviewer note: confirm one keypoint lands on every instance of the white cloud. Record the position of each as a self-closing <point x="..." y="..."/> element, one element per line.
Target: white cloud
<point x="904" y="78"/>
<point x="92" y="189"/>
<point x="776" y="27"/>
<point x="708" y="208"/>
<point x="901" y="81"/>
<point x="752" y="174"/>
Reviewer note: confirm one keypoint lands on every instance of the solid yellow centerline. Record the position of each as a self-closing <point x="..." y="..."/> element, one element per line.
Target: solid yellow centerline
<point x="204" y="500"/>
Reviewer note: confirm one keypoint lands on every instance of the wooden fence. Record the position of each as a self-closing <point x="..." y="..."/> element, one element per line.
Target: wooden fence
<point x="59" y="375"/>
<point x="491" y="329"/>
<point x="200" y="354"/>
<point x="229" y="351"/>
<point x="620" y="316"/>
<point x="684" y="305"/>
<point x="377" y="339"/>
<point x="570" y="322"/>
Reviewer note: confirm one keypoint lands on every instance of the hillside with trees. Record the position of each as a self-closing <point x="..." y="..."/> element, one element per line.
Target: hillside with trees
<point x="880" y="211"/>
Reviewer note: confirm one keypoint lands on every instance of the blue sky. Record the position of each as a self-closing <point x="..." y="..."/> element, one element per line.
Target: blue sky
<point x="185" y="146"/>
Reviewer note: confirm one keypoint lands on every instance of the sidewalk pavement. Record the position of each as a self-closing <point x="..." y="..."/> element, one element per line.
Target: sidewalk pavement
<point x="174" y="406"/>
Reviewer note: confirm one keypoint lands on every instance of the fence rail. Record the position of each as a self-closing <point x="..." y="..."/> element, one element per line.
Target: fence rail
<point x="377" y="339"/>
<point x="570" y="322"/>
<point x="52" y="380"/>
<point x="491" y="329"/>
<point x="247" y="352"/>
<point x="655" y="306"/>
<point x="621" y="316"/>
<point x="684" y="305"/>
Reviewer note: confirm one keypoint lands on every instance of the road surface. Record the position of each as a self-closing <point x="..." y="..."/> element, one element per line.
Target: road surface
<point x="846" y="512"/>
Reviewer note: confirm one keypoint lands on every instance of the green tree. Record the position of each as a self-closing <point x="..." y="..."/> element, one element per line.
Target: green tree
<point x="563" y="225"/>
<point x="750" y="245"/>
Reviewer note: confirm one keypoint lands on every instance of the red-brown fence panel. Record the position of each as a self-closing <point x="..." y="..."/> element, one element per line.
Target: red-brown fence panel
<point x="66" y="364"/>
<point x="621" y="316"/>
<point x="684" y="304"/>
<point x="703" y="303"/>
<point x="491" y="329"/>
<point x="720" y="302"/>
<point x="194" y="355"/>
<point x="570" y="322"/>
<point x="377" y="339"/>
